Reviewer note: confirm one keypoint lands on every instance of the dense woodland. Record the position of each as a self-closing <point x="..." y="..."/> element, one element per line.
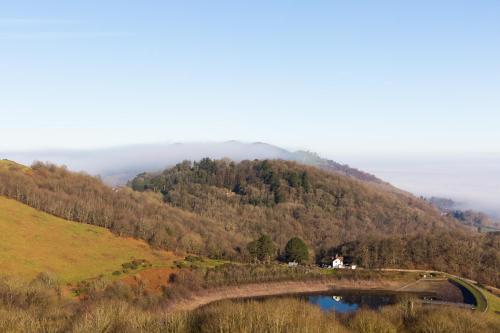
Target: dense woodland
<point x="376" y="225"/>
<point x="217" y="208"/>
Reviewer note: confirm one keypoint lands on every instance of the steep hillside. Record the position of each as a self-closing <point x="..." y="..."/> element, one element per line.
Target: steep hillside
<point x="287" y="198"/>
<point x="216" y="208"/>
<point x="32" y="242"/>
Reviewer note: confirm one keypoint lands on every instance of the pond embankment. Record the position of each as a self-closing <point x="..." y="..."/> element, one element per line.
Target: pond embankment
<point x="280" y="288"/>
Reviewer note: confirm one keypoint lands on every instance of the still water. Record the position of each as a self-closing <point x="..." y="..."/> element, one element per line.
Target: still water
<point x="347" y="301"/>
<point x="350" y="302"/>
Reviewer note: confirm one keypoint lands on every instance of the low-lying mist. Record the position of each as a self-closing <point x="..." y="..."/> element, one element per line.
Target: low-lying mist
<point x="471" y="180"/>
<point x="118" y="165"/>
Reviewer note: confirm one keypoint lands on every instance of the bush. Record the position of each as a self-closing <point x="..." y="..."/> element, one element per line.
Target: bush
<point x="135" y="264"/>
<point x="193" y="259"/>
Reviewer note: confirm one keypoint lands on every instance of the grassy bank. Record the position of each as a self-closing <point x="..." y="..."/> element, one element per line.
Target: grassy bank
<point x="184" y="284"/>
<point x="33" y="242"/>
<point x="481" y="301"/>
<point x="238" y="274"/>
<point x="493" y="302"/>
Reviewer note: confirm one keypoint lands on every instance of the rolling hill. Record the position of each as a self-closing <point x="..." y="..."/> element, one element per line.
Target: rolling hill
<point x="216" y="207"/>
<point x="32" y="242"/>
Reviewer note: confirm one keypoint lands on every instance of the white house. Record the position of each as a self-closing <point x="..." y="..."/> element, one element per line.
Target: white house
<point x="338" y="262"/>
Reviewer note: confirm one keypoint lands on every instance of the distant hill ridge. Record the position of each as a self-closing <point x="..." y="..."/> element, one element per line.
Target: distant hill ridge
<point x="118" y="165"/>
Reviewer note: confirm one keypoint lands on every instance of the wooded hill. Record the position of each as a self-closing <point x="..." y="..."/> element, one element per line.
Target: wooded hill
<point x="286" y="199"/>
<point x="379" y="226"/>
<point x="216" y="208"/>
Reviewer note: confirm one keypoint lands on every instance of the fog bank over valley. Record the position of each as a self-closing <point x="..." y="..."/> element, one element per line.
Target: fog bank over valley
<point x="471" y="180"/>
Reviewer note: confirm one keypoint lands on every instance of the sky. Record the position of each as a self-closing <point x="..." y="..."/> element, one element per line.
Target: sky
<point x="336" y="77"/>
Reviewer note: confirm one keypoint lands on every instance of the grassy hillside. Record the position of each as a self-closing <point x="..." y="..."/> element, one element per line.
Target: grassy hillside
<point x="32" y="242"/>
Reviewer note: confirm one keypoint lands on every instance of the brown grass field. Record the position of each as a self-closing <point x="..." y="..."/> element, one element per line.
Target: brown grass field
<point x="32" y="242"/>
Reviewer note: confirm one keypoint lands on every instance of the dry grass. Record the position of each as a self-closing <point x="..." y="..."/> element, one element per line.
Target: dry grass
<point x="32" y="242"/>
<point x="292" y="315"/>
<point x="35" y="308"/>
<point x="272" y="316"/>
<point x="493" y="301"/>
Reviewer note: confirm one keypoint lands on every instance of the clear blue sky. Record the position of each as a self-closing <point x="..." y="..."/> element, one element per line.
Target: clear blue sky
<point x="330" y="76"/>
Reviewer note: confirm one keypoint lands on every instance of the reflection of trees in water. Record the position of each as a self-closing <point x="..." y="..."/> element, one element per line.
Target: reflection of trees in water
<point x="373" y="301"/>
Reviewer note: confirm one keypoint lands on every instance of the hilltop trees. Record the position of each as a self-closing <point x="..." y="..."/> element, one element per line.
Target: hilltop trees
<point x="296" y="250"/>
<point x="262" y="249"/>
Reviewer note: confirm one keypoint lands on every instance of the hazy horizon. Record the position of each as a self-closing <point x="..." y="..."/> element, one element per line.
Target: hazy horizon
<point x="472" y="180"/>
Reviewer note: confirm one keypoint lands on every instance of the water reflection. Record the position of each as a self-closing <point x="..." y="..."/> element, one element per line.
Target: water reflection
<point x="349" y="302"/>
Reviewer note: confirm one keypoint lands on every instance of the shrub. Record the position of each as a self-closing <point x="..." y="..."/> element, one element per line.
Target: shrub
<point x="193" y="258"/>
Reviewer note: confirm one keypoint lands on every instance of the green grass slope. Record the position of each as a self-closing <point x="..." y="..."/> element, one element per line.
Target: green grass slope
<point x="32" y="242"/>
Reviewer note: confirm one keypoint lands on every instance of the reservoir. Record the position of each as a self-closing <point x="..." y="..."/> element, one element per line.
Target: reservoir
<point x="345" y="301"/>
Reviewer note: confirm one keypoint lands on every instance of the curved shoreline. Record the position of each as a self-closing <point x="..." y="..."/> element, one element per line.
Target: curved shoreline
<point x="279" y="288"/>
